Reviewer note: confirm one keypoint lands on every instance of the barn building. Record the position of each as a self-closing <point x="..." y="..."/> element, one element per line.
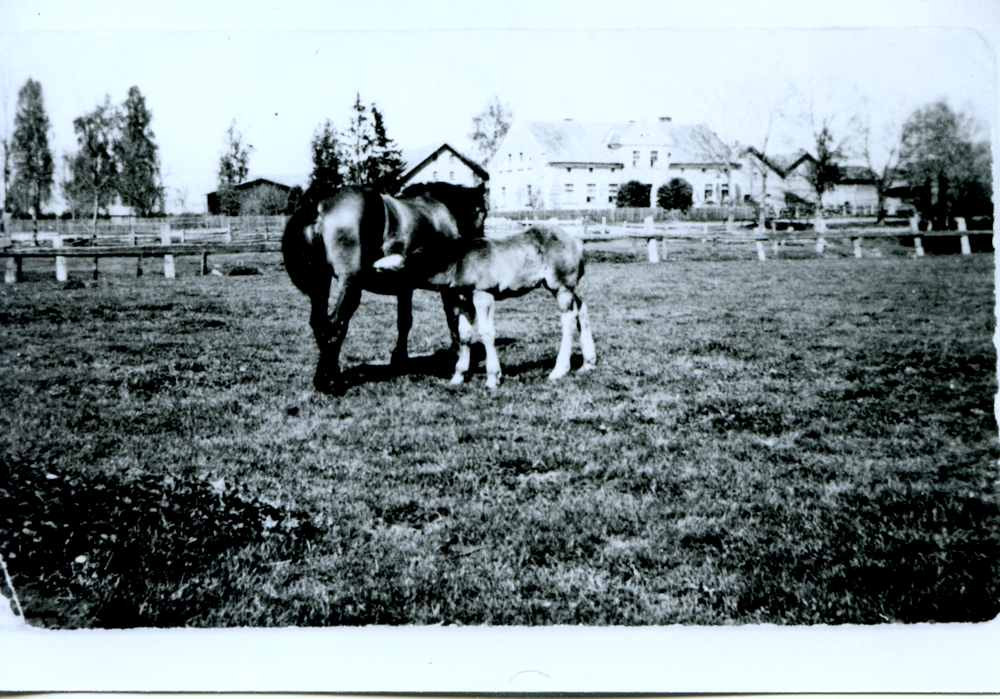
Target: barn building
<point x="440" y="163"/>
<point x="787" y="183"/>
<point x="213" y="197"/>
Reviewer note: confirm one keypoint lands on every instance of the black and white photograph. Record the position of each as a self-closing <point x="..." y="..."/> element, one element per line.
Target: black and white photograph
<point x="452" y="337"/>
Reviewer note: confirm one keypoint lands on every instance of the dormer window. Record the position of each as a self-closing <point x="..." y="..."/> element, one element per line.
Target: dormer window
<point x="635" y="158"/>
<point x="653" y="157"/>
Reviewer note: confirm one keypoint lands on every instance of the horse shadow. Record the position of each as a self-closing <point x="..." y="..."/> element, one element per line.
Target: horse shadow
<point x="441" y="365"/>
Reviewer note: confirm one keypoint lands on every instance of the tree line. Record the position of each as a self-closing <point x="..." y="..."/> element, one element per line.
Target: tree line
<point x="117" y="158"/>
<point x="362" y="155"/>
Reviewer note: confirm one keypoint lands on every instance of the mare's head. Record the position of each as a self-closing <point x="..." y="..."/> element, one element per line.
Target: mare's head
<point x="466" y="204"/>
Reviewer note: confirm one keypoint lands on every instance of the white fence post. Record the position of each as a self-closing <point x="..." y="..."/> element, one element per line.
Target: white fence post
<point x="820" y="245"/>
<point x="857" y="247"/>
<point x="604" y="224"/>
<point x="652" y="244"/>
<point x="12" y="274"/>
<point x="168" y="260"/>
<point x="918" y="245"/>
<point x="760" y="251"/>
<point x="61" y="274"/>
<point x="966" y="248"/>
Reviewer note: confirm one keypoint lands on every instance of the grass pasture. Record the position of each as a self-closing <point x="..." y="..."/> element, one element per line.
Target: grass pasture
<point x="798" y="441"/>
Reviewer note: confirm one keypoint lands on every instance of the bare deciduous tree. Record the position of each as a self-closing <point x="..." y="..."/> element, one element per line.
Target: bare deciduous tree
<point x="491" y="126"/>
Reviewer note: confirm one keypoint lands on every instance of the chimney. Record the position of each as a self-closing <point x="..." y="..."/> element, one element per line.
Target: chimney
<point x="665" y="119"/>
<point x="568" y="119"/>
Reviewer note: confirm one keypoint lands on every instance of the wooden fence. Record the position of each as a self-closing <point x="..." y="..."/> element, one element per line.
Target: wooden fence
<point x="634" y="215"/>
<point x="263" y="234"/>
<point x="658" y="237"/>
<point x="164" y="241"/>
<point x="243" y="228"/>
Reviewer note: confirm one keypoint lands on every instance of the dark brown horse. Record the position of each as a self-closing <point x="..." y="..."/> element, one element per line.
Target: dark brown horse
<point x="330" y="247"/>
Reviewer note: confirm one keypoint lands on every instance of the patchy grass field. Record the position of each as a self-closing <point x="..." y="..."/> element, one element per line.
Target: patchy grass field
<point x="800" y="441"/>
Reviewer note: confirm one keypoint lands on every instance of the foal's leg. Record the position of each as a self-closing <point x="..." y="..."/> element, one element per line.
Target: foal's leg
<point x="586" y="337"/>
<point x="329" y="318"/>
<point x="452" y="309"/>
<point x="485" y="303"/>
<point x="465" y="314"/>
<point x="404" y="321"/>
<point x="567" y="309"/>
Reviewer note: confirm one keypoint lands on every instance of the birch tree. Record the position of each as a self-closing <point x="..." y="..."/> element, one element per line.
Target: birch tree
<point x="92" y="170"/>
<point x="880" y="142"/>
<point x="491" y="125"/>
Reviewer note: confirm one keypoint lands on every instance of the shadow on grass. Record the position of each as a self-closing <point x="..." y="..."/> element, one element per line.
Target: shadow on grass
<point x="441" y="364"/>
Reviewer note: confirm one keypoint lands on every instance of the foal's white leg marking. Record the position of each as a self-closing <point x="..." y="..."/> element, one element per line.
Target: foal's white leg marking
<point x="485" y="303"/>
<point x="586" y="337"/>
<point x="568" y="317"/>
<point x="464" y="339"/>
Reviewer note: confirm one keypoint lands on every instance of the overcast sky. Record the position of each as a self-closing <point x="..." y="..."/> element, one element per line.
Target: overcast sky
<point x="432" y="66"/>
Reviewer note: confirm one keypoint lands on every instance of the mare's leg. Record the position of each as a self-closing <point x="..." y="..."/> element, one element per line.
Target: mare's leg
<point x="404" y="321"/>
<point x="465" y="315"/>
<point x="586" y="337"/>
<point x="485" y="303"/>
<point x="567" y="309"/>
<point x="329" y="319"/>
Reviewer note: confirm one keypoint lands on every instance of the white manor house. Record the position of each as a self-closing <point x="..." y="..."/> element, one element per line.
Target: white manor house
<point x="580" y="165"/>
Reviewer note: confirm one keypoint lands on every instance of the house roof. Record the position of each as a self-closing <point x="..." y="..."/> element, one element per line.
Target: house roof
<point x="588" y="142"/>
<point x="415" y="159"/>
<point x="250" y="184"/>
<point x="573" y="141"/>
<point x="781" y="163"/>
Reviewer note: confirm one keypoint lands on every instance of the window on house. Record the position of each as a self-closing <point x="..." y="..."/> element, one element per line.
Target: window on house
<point x="509" y="159"/>
<point x="708" y="192"/>
<point x="612" y="193"/>
<point x="529" y="192"/>
<point x="503" y="196"/>
<point x="591" y="192"/>
<point x="520" y="158"/>
<point x="568" y="189"/>
<point x="635" y="158"/>
<point x="451" y="158"/>
<point x="451" y="176"/>
<point x="434" y="176"/>
<point x="653" y="157"/>
<point x="724" y="192"/>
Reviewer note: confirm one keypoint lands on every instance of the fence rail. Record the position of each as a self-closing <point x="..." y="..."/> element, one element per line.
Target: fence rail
<point x="658" y="236"/>
<point x="256" y="236"/>
<point x="273" y="225"/>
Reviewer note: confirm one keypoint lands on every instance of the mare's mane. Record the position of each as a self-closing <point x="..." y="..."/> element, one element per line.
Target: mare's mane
<point x="465" y="203"/>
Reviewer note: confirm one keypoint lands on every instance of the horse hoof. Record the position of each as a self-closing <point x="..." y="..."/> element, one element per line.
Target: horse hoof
<point x="556" y="375"/>
<point x="588" y="367"/>
<point x="457" y="379"/>
<point x="330" y="385"/>
<point x="492" y="382"/>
